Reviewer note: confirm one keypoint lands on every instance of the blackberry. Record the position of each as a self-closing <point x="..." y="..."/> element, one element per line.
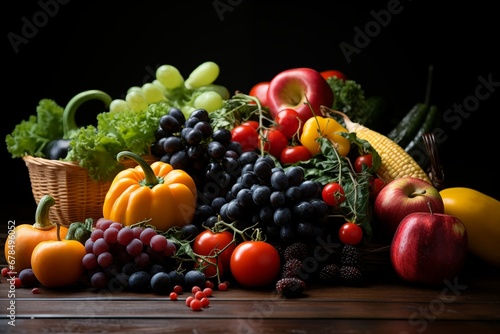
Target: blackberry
<point x="350" y="275"/>
<point x="297" y="250"/>
<point x="292" y="268"/>
<point x="290" y="287"/>
<point x="350" y="256"/>
<point x="330" y="273"/>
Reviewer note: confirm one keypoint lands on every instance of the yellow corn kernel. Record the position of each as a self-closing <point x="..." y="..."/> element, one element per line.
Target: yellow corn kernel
<point x="395" y="161"/>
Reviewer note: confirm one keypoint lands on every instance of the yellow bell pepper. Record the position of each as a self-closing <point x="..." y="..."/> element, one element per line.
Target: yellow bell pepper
<point x="480" y="214"/>
<point x="319" y="126"/>
<point x="159" y="193"/>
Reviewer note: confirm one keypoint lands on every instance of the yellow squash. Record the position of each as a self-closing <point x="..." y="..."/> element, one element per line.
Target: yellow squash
<point x="480" y="214"/>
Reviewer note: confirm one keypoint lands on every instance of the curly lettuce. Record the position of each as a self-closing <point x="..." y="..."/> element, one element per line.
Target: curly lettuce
<point x="30" y="136"/>
<point x="96" y="147"/>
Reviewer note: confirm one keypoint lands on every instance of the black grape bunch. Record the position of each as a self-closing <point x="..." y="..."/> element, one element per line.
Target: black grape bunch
<point x="209" y="157"/>
<point x="285" y="205"/>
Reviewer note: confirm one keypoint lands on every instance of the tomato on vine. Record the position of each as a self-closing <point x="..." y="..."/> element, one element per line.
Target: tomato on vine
<point x="209" y="266"/>
<point x="363" y="159"/>
<point x="247" y="136"/>
<point x="295" y="153"/>
<point x="333" y="194"/>
<point x="350" y="233"/>
<point x="253" y="124"/>
<point x="210" y="243"/>
<point x="274" y="141"/>
<point x="288" y="122"/>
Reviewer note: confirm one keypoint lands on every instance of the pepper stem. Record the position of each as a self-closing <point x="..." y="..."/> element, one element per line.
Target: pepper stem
<point x="42" y="220"/>
<point x="150" y="178"/>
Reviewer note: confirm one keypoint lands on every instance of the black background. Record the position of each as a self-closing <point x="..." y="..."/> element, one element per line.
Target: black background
<point x="114" y="45"/>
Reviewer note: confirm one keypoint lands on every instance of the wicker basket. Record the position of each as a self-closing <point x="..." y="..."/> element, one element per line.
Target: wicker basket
<point x="77" y="196"/>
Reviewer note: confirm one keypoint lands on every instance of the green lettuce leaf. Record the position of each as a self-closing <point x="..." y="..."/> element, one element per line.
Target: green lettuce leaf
<point x="30" y="136"/>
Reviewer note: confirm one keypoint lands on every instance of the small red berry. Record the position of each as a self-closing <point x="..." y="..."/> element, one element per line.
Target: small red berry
<point x="35" y="291"/>
<point x="222" y="286"/>
<point x="189" y="300"/>
<point x="5" y="271"/>
<point x="208" y="292"/>
<point x="178" y="289"/>
<point x="195" y="304"/>
<point x="199" y="295"/>
<point x="209" y="284"/>
<point x="17" y="282"/>
<point x="173" y="296"/>
<point x="195" y="289"/>
<point x="205" y="302"/>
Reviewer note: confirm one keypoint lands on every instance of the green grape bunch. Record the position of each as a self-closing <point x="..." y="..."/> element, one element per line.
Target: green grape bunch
<point x="195" y="92"/>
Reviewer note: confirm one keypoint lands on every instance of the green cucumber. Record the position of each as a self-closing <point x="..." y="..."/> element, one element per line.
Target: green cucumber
<point x="429" y="124"/>
<point x="408" y="127"/>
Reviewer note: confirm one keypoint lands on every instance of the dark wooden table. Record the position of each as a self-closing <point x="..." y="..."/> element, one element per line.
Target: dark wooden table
<point x="468" y="304"/>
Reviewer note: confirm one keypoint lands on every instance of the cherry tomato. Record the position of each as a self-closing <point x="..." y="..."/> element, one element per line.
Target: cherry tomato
<point x="209" y="268"/>
<point x="333" y="73"/>
<point x="376" y="185"/>
<point x="274" y="142"/>
<point x="288" y="122"/>
<point x="260" y="91"/>
<point x="255" y="264"/>
<point x="350" y="234"/>
<point x="364" y="159"/>
<point x="333" y="194"/>
<point x="209" y="243"/>
<point x="293" y="154"/>
<point x="253" y="124"/>
<point x="247" y="136"/>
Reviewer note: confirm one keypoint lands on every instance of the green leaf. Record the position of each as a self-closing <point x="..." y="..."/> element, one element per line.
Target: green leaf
<point x="329" y="166"/>
<point x="30" y="136"/>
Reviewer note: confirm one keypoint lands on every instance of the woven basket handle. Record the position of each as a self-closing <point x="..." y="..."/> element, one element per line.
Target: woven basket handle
<point x="436" y="173"/>
<point x="69" y="123"/>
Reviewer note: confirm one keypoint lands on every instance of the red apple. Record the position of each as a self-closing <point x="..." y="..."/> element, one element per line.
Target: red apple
<point x="429" y="248"/>
<point x="403" y="196"/>
<point x="295" y="87"/>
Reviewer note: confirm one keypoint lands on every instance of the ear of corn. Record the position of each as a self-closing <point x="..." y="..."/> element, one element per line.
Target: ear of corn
<point x="395" y="161"/>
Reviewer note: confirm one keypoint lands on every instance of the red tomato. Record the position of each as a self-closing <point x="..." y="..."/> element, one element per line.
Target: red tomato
<point x="333" y="73"/>
<point x="253" y="124"/>
<point x="333" y="194"/>
<point x="255" y="264"/>
<point x="274" y="142"/>
<point x="293" y="154"/>
<point x="209" y="268"/>
<point x="209" y="243"/>
<point x="288" y="122"/>
<point x="260" y="91"/>
<point x="364" y="159"/>
<point x="376" y="184"/>
<point x="247" y="136"/>
<point x="350" y="234"/>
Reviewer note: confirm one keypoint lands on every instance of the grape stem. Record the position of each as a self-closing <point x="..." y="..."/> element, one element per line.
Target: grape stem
<point x="254" y="236"/>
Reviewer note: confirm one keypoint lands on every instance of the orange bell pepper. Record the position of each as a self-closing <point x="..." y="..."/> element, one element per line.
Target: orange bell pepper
<point x="164" y="196"/>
